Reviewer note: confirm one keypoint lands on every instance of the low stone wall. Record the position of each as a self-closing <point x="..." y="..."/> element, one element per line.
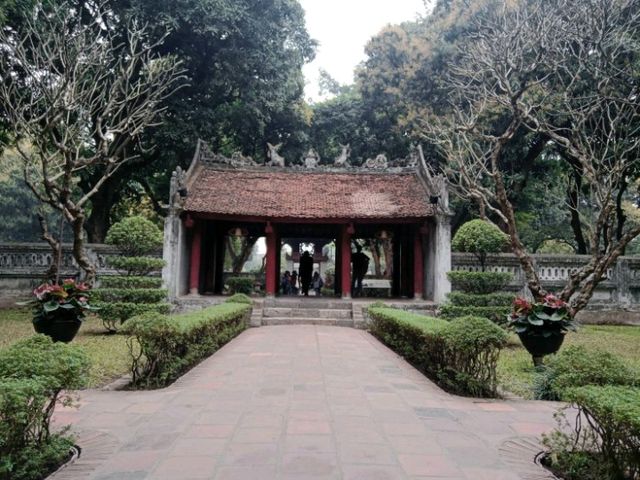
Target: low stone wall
<point x="23" y="266"/>
<point x="616" y="299"/>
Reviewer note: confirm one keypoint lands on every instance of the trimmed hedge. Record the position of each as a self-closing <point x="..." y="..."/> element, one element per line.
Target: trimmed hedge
<point x="239" y="298"/>
<point x="138" y="266"/>
<point x="497" y="315"/>
<point x="114" y="314"/>
<point x="480" y="237"/>
<point x="604" y="441"/>
<point x="163" y="347"/>
<point x="487" y="300"/>
<point x="34" y="373"/>
<point x="478" y="282"/>
<point x="576" y="366"/>
<point x="130" y="295"/>
<point x="130" y="282"/>
<point x="135" y="236"/>
<point x="461" y="355"/>
<point x="240" y="285"/>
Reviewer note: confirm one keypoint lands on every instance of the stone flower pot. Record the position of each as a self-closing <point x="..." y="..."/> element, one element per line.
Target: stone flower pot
<point x="60" y="327"/>
<point x="538" y="345"/>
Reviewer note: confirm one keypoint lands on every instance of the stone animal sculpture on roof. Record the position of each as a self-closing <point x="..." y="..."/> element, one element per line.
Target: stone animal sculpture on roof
<point x="239" y="160"/>
<point x="275" y="159"/>
<point x="378" y="163"/>
<point x="311" y="159"/>
<point x="342" y="160"/>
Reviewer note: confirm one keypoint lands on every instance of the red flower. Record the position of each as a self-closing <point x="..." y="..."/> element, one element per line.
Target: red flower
<point x="522" y="307"/>
<point x="554" y="302"/>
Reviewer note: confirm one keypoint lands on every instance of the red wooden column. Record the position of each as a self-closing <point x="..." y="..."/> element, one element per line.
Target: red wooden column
<point x="418" y="265"/>
<point x="196" y="255"/>
<point x="345" y="257"/>
<point x="271" y="264"/>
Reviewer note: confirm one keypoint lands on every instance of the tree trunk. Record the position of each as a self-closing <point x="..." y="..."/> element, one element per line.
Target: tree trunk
<point x="239" y="259"/>
<point x="79" y="252"/>
<point x="53" y="271"/>
<point x="102" y="202"/>
<point x="576" y="223"/>
<point x="375" y="253"/>
<point x="387" y="248"/>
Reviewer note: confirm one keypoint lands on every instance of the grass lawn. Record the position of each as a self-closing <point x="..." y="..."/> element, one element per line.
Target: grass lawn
<point x="108" y="353"/>
<point x="515" y="368"/>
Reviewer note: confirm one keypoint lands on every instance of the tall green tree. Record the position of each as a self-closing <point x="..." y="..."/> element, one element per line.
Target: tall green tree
<point x="243" y="59"/>
<point x="566" y="71"/>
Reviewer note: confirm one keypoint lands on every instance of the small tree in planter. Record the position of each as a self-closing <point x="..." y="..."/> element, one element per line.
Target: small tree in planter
<point x="136" y="290"/>
<point x="478" y="292"/>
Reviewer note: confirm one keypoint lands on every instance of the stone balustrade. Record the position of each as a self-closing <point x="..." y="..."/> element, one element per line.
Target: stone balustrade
<point x="23" y="265"/>
<point x="619" y="292"/>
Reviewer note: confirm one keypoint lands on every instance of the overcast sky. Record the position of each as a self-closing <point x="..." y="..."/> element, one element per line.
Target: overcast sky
<point x="343" y="27"/>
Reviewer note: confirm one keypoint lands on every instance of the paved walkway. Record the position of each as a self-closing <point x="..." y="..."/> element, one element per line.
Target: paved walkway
<point x="299" y="402"/>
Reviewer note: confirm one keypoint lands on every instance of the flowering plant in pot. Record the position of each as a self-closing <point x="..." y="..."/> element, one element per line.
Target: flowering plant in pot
<point x="58" y="310"/>
<point x="541" y="325"/>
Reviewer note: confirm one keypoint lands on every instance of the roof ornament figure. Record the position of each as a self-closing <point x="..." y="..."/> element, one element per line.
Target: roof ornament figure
<point x="311" y="159"/>
<point x="378" y="163"/>
<point x="414" y="156"/>
<point x="342" y="160"/>
<point x="177" y="190"/>
<point x="436" y="182"/>
<point x="239" y="160"/>
<point x="275" y="159"/>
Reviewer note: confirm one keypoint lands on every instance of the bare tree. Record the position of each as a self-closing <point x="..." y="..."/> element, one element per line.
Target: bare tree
<point x="566" y="70"/>
<point x="79" y="95"/>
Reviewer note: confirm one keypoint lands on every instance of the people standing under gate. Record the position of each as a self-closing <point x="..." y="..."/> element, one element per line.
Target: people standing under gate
<point x="360" y="263"/>
<point x="306" y="270"/>
<point x="285" y="283"/>
<point x="317" y="283"/>
<point x="294" y="283"/>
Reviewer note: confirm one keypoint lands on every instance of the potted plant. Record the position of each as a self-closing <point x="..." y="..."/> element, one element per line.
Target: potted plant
<point x="58" y="310"/>
<point x="542" y="325"/>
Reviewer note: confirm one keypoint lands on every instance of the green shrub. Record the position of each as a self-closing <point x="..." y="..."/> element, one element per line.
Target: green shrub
<point x="163" y="347"/>
<point x="130" y="282"/>
<point x="473" y="347"/>
<point x="130" y="295"/>
<point x="136" y="266"/>
<point x="34" y="462"/>
<point x="58" y="366"/>
<point x="604" y="440"/>
<point x="576" y="366"/>
<point x="497" y="315"/>
<point x="480" y="238"/>
<point x="135" y="236"/>
<point x="240" y="285"/>
<point x="239" y="298"/>
<point x="415" y="337"/>
<point x="114" y="314"/>
<point x="135" y="291"/>
<point x="460" y="299"/>
<point x="461" y="355"/>
<point x="478" y="283"/>
<point x="35" y="373"/>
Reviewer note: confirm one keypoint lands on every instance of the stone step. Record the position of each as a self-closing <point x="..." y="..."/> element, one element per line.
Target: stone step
<point x="299" y="303"/>
<point x="331" y="322"/>
<point x="306" y="312"/>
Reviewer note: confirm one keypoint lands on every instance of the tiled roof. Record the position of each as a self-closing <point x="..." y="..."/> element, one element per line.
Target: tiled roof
<point x="307" y="195"/>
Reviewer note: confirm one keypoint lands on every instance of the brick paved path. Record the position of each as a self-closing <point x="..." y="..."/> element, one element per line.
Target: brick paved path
<point x="299" y="402"/>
